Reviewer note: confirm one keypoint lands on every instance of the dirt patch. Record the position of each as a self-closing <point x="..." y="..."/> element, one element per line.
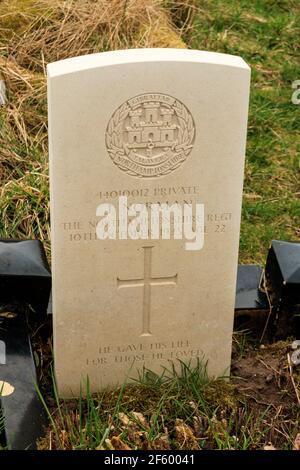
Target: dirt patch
<point x="264" y="376"/>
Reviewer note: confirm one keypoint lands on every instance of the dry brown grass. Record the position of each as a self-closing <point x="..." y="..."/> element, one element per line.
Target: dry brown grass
<point x="34" y="33"/>
<point x="45" y="31"/>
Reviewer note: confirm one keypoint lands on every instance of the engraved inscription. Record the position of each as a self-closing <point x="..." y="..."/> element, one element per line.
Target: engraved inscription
<point x="150" y="135"/>
<point x="147" y="282"/>
<point x="171" y="350"/>
<point x="157" y="191"/>
<point x="85" y="231"/>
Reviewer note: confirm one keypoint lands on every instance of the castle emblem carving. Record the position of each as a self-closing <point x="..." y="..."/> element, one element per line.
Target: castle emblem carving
<point x="150" y="135"/>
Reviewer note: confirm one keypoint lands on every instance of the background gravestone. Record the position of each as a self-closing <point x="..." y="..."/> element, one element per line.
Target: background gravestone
<point x="157" y="126"/>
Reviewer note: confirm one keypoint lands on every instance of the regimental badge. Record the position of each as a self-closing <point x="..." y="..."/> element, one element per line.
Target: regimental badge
<point x="150" y="135"/>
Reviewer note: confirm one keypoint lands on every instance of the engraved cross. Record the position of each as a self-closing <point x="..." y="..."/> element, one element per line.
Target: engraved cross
<point x="147" y="282"/>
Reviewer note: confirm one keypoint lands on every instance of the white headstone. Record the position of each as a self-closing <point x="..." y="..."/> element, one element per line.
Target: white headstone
<point x="161" y="126"/>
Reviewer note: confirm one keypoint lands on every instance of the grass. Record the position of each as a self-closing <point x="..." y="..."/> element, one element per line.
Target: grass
<point x="187" y="411"/>
<point x="264" y="33"/>
<point x="175" y="411"/>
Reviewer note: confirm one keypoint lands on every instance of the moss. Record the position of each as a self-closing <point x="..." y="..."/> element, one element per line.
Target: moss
<point x="221" y="393"/>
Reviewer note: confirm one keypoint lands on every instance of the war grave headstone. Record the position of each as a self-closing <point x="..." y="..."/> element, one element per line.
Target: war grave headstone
<point x="146" y="172"/>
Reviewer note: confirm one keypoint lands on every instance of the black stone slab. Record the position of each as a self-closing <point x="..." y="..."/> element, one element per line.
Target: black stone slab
<point x="251" y="303"/>
<point x="22" y="411"/>
<point x="25" y="275"/>
<point x="248" y="293"/>
<point x="283" y="273"/>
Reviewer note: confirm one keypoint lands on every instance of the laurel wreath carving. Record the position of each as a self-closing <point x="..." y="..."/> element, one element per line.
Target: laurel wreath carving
<point x="114" y="144"/>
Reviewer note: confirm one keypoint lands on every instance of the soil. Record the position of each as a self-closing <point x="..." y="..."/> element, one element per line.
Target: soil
<point x="264" y="376"/>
